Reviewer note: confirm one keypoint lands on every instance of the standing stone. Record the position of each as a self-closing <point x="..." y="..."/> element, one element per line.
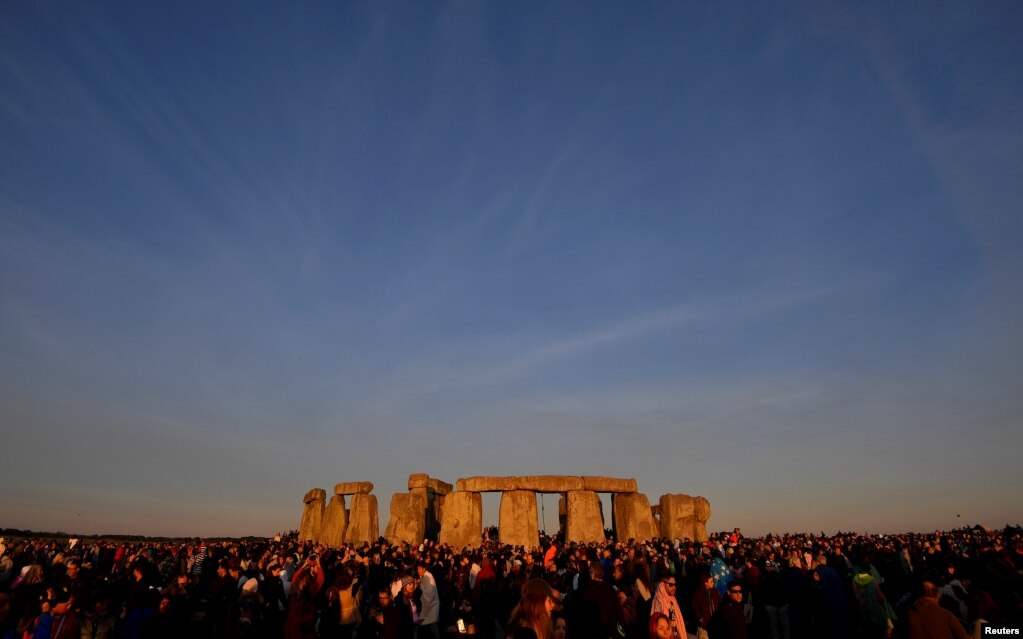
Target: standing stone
<point x="677" y="520"/>
<point x="461" y="522"/>
<point x="363" y="523"/>
<point x="312" y="515"/>
<point x="518" y="524"/>
<point x="408" y="518"/>
<point x="584" y="521"/>
<point x="633" y="517"/>
<point x="335" y="520"/>
<point x="701" y="513"/>
<point x="434" y="515"/>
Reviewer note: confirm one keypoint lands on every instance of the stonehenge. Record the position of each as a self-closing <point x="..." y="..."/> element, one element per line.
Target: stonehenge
<point x="453" y="514"/>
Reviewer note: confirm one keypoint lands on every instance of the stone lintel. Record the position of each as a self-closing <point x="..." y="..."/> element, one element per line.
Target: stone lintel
<point x="353" y="488"/>
<point x="550" y="483"/>
<point x="418" y="480"/>
<point x="546" y="484"/>
<point x="486" y="484"/>
<point x="315" y="494"/>
<point x="439" y="487"/>
<point x="609" y="484"/>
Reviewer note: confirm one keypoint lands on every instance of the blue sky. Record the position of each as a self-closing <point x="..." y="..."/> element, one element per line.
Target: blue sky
<point x="766" y="255"/>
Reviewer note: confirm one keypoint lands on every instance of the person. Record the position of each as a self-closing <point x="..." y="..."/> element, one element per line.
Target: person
<point x="775" y="591"/>
<point x="706" y="601"/>
<point x="274" y="598"/>
<point x="873" y="608"/>
<point x="666" y="603"/>
<point x="142" y="602"/>
<point x="928" y="620"/>
<point x="65" y="622"/>
<point x="429" y="602"/>
<point x="162" y="624"/>
<point x="596" y="607"/>
<point x="729" y="620"/>
<point x="100" y="622"/>
<point x="534" y="608"/>
<point x="385" y="621"/>
<point x="660" y="626"/>
<point x="484" y="598"/>
<point x="348" y="604"/>
<point x="559" y="623"/>
<point x="8" y="623"/>
<point x="300" y="622"/>
<point x="832" y="605"/>
<point x="408" y="613"/>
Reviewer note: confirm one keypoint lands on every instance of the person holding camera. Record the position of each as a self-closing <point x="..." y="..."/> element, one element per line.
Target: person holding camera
<point x="300" y="622"/>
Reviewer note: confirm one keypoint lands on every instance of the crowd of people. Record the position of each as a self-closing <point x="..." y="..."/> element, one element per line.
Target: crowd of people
<point x="842" y="586"/>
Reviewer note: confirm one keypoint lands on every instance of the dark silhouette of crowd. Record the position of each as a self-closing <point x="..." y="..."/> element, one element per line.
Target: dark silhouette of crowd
<point x="793" y="586"/>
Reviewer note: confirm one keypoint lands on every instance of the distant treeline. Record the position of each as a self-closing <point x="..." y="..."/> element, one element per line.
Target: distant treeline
<point x="31" y="534"/>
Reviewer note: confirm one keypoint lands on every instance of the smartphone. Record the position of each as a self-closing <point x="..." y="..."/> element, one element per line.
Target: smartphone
<point x="461" y="627"/>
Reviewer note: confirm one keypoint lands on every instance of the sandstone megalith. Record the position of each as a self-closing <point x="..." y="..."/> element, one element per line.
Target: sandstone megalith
<point x="547" y="484"/>
<point x="408" y="518"/>
<point x="609" y="484"/>
<point x="363" y="523"/>
<point x="353" y="488"/>
<point x="461" y="522"/>
<point x="486" y="484"/>
<point x="584" y="521"/>
<point x="312" y="515"/>
<point x="335" y="521"/>
<point x="701" y="513"/>
<point x="633" y="518"/>
<point x="677" y="520"/>
<point x="439" y="487"/>
<point x="422" y="512"/>
<point x="550" y="483"/>
<point x="518" y="523"/>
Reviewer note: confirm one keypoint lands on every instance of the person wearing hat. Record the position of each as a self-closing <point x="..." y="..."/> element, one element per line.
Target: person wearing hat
<point x="274" y="597"/>
<point x="408" y="613"/>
